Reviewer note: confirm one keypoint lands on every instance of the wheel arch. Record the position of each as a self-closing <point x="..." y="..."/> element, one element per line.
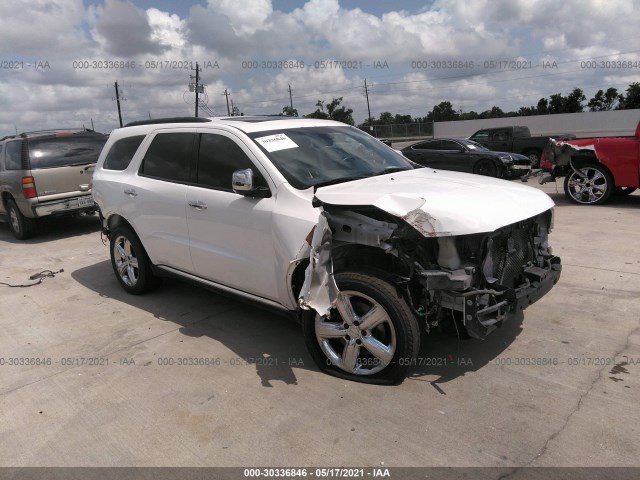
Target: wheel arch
<point x="590" y="158"/>
<point x="353" y="256"/>
<point x="115" y="220"/>
<point x="5" y="197"/>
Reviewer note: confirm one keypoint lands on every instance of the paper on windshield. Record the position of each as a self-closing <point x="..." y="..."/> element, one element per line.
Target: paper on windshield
<point x="273" y="143"/>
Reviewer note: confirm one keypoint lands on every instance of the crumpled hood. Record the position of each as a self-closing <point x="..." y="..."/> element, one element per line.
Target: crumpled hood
<point x="442" y="203"/>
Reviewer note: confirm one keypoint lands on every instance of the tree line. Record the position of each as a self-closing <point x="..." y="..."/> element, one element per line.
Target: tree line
<point x="573" y="102"/>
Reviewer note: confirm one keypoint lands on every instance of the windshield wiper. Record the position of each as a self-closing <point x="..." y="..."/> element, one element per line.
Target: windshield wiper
<point x="339" y="180"/>
<point x="392" y="170"/>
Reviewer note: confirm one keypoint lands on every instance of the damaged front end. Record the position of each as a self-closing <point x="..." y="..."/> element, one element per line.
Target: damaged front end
<point x="475" y="280"/>
<point x="565" y="157"/>
<point x="481" y="279"/>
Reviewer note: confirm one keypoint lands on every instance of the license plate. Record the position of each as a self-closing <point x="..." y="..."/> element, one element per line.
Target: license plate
<point x="520" y="167"/>
<point x="85" y="202"/>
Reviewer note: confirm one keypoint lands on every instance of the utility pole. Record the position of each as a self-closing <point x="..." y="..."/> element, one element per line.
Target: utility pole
<point x="366" y="94"/>
<point x="226" y="94"/>
<point x="118" y="101"/>
<point x="290" y="100"/>
<point x="196" y="86"/>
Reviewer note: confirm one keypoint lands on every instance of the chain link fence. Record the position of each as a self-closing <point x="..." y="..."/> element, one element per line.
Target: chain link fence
<point x="400" y="130"/>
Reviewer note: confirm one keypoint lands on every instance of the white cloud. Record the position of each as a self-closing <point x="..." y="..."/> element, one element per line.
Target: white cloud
<point x="124" y="30"/>
<point x="38" y="28"/>
<point x="64" y="31"/>
<point x="245" y="18"/>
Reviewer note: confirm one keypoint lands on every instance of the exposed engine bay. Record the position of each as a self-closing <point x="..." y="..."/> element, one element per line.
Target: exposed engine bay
<point x="475" y="281"/>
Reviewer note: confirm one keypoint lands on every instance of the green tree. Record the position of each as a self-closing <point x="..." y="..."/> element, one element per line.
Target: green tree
<point x="572" y="103"/>
<point x="632" y="98"/>
<point x="469" y="115"/>
<point x="603" y="101"/>
<point x="442" y="112"/>
<point x="385" y="118"/>
<point x="340" y="114"/>
<point x="526" y="111"/>
<point x="292" y="112"/>
<point x="543" y="107"/>
<point x="403" y="119"/>
<point x="495" y="112"/>
<point x="333" y="111"/>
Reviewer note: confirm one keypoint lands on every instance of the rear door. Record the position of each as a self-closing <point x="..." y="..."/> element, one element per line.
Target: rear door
<point x="454" y="157"/>
<point x="62" y="164"/>
<point x="427" y="153"/>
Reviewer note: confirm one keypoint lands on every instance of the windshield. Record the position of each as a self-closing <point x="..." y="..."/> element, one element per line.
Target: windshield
<point x="317" y="156"/>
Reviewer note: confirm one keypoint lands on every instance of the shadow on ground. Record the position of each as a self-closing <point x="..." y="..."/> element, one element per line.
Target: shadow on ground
<point x="256" y="335"/>
<point x="53" y="228"/>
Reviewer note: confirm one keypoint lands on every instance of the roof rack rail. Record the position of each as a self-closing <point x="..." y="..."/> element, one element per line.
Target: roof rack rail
<point x="54" y="130"/>
<point x="44" y="132"/>
<point x="168" y="120"/>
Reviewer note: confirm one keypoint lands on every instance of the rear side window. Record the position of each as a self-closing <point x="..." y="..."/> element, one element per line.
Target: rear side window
<point x="61" y="151"/>
<point x="122" y="152"/>
<point x="218" y="158"/>
<point x="13" y="160"/>
<point x="168" y="157"/>
<point x="431" y="145"/>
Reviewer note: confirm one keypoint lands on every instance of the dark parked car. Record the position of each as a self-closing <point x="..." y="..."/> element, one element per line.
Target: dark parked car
<point x="467" y="156"/>
<point x="516" y="140"/>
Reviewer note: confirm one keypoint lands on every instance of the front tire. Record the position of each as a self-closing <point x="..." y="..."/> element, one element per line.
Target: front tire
<point x="370" y="337"/>
<point x="22" y="227"/>
<point x="487" y="168"/>
<point x="130" y="262"/>
<point x="593" y="187"/>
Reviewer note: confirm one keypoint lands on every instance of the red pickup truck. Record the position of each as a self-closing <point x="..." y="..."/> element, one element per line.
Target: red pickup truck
<point x="594" y="168"/>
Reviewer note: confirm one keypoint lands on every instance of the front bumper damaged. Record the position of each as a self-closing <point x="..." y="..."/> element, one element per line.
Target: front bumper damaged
<point x="477" y="281"/>
<point x="482" y="310"/>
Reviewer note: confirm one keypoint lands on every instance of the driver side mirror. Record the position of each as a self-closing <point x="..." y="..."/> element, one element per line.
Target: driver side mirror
<point x="242" y="182"/>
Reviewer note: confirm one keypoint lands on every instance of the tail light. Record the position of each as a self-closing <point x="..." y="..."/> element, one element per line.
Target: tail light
<point x="29" y="187"/>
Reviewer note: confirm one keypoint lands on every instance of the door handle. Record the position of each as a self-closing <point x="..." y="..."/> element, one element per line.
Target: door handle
<point x="131" y="192"/>
<point x="198" y="205"/>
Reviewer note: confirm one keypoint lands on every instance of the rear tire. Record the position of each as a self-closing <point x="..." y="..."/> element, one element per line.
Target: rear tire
<point x="593" y="188"/>
<point x="534" y="156"/>
<point x="130" y="262"/>
<point x="381" y="339"/>
<point x="22" y="227"/>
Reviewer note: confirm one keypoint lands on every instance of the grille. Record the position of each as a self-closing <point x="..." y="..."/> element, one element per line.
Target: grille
<point x="510" y="252"/>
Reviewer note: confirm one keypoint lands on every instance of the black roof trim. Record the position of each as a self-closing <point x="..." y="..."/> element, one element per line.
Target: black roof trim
<point x="168" y="120"/>
<point x="259" y="118"/>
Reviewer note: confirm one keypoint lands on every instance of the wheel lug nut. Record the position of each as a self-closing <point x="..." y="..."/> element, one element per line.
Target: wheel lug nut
<point x="356" y="323"/>
<point x="347" y="337"/>
<point x="346" y="325"/>
<point x="359" y="342"/>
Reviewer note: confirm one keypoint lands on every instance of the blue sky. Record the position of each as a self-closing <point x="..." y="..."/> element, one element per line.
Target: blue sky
<point x="474" y="54"/>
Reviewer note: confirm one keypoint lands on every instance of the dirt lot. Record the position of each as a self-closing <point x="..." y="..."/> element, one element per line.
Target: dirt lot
<point x="559" y="388"/>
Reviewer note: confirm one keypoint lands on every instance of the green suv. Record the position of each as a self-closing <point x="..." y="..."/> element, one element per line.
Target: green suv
<point x="46" y="173"/>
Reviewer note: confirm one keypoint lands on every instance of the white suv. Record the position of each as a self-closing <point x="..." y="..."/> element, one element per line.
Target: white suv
<point x="321" y="220"/>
